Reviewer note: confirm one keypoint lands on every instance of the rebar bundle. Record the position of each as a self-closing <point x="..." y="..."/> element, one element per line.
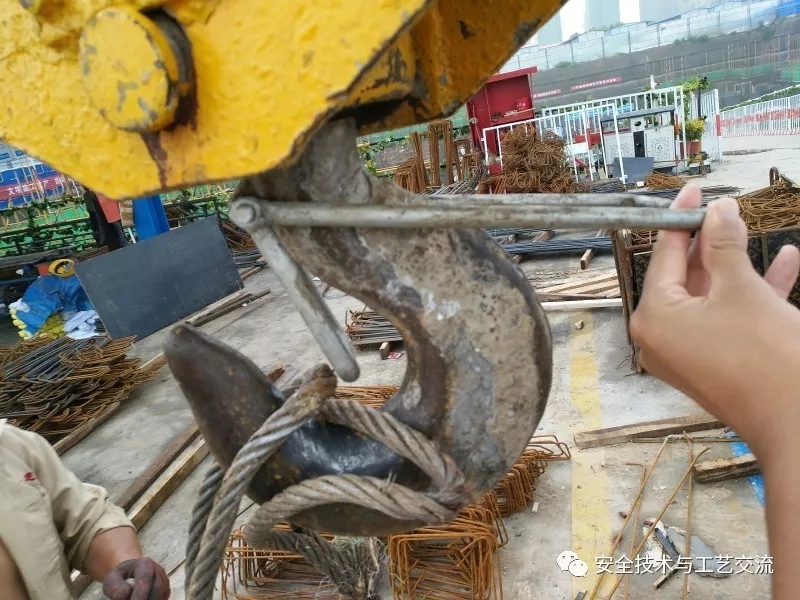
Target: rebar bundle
<point x="372" y="396"/>
<point x="248" y="258"/>
<point x="607" y="186"/>
<point x="256" y="574"/>
<point x="459" y="560"/>
<point x="238" y="239"/>
<point x="559" y="246"/>
<point x="367" y="327"/>
<point x="54" y="387"/>
<point x="662" y="181"/>
<point x="536" y="164"/>
<point x="773" y="207"/>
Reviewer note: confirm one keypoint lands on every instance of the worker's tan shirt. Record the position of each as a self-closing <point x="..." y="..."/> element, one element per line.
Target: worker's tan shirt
<point x="48" y="517"/>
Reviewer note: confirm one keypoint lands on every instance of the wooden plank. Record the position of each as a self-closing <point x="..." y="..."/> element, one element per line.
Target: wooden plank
<point x="587" y="257"/>
<point x="608" y="278"/>
<point x="227" y="309"/>
<point x="156" y="468"/>
<point x="545" y="297"/>
<point x="154" y="364"/>
<point x="590" y="289"/>
<point x="233" y="299"/>
<point x="724" y="469"/>
<point x="153" y="501"/>
<point x="82" y="431"/>
<point x="163" y="489"/>
<point x="661" y="427"/>
<point x="544" y="236"/>
<point x="385" y="350"/>
<point x="248" y="273"/>
<point x="581" y="305"/>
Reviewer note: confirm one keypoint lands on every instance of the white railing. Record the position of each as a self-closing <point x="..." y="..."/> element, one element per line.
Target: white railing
<point x="774" y="117"/>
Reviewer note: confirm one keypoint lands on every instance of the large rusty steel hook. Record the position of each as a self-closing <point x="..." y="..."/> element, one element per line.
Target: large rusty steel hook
<point x="478" y="344"/>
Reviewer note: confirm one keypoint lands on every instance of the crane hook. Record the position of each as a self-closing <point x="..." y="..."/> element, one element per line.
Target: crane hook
<point x="478" y="344"/>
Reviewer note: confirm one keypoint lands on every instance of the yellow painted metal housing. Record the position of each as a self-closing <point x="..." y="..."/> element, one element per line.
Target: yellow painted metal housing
<point x="265" y="77"/>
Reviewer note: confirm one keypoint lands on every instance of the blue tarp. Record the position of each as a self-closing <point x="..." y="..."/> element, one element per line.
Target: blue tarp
<point x="50" y="294"/>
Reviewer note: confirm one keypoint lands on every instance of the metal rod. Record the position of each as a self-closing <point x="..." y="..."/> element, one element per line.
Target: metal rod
<point x="302" y="292"/>
<point x="550" y="200"/>
<point x="302" y="214"/>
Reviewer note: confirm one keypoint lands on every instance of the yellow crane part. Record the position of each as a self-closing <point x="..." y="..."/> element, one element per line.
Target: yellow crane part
<point x="145" y="95"/>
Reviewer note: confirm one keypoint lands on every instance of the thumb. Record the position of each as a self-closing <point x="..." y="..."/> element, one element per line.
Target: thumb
<point x="723" y="249"/>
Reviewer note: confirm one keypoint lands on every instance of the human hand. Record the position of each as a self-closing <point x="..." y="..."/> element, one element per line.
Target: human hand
<point x="150" y="581"/>
<point x="710" y="326"/>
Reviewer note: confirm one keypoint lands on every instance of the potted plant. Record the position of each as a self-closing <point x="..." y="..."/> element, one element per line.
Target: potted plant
<point x="695" y="128"/>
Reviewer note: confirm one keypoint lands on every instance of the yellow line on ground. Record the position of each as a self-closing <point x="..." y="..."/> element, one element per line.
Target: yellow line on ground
<point x="591" y="520"/>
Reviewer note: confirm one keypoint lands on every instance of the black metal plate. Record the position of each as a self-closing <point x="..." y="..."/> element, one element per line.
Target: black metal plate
<point x="145" y="287"/>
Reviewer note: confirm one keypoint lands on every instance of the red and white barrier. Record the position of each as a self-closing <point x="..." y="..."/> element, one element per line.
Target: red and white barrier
<point x="774" y="117"/>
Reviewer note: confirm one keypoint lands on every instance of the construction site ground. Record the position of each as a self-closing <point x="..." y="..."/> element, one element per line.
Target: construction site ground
<point x="578" y="503"/>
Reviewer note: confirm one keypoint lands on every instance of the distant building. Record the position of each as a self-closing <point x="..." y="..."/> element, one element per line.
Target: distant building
<point x="602" y="14"/>
<point x="658" y="10"/>
<point x="551" y="32"/>
<point x="650" y="10"/>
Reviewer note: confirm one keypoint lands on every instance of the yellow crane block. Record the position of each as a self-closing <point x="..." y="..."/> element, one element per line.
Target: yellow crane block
<point x="141" y="96"/>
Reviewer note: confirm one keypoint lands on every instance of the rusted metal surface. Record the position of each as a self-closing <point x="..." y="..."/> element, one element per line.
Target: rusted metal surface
<point x="54" y="387"/>
<point x="478" y="344"/>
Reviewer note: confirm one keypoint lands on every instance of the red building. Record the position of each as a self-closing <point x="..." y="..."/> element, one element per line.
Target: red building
<point x="505" y="98"/>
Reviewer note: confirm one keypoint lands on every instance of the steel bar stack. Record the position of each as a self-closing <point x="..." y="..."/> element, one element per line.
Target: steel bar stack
<point x="52" y="388"/>
<point x="459" y="560"/>
<point x="366" y="327"/>
<point x="248" y="258"/>
<point x="255" y="574"/>
<point x="560" y="246"/>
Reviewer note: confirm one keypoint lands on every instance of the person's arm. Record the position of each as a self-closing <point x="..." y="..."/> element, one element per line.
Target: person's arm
<point x="709" y="325"/>
<point x="109" y="549"/>
<point x="115" y="556"/>
<point x="98" y="537"/>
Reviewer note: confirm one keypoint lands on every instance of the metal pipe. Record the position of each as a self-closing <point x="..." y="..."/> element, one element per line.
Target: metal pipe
<point x="303" y="214"/>
<point x="300" y="289"/>
<point x="557" y="200"/>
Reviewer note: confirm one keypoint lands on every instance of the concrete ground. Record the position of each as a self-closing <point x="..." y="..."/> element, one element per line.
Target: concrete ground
<point x="579" y="502"/>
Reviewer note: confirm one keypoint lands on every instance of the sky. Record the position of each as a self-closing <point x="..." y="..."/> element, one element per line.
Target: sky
<point x="572" y="15"/>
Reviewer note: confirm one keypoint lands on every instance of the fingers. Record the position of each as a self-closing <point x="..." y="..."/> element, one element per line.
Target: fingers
<point x="668" y="264"/>
<point x="724" y="248"/>
<point x="144" y="576"/>
<point x="150" y="582"/>
<point x="115" y="585"/>
<point x="783" y="272"/>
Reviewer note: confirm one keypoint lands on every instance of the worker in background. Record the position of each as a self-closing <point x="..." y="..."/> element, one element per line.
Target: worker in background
<point x="710" y="326"/>
<point x="50" y="523"/>
<point x="106" y="221"/>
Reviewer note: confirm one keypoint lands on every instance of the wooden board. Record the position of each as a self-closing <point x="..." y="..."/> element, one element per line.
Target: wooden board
<point x="661" y="427"/>
<point x="135" y="490"/>
<point x="145" y="287"/>
<point x="178" y="473"/>
<point x="605" y="285"/>
<point x="202" y="319"/>
<point x="712" y="471"/>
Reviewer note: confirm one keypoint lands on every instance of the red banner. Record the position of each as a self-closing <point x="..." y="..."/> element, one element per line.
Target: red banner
<point x="546" y="94"/>
<point x="591" y="84"/>
<point x="15" y="190"/>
